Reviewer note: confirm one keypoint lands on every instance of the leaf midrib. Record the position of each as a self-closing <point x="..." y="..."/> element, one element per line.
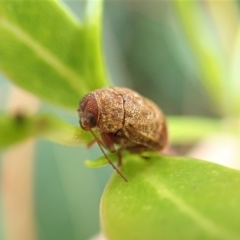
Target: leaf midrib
<point x="73" y="78"/>
<point x="202" y="221"/>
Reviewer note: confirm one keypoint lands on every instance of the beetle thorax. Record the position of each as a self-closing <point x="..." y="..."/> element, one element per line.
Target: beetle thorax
<point x="111" y="111"/>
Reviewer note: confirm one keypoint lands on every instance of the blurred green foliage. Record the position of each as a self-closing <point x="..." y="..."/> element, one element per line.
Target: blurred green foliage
<point x="177" y="53"/>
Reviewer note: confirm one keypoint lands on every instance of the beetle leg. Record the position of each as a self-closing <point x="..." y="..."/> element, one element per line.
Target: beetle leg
<point x="91" y="143"/>
<point x="96" y="140"/>
<point x="119" y="153"/>
<point x="107" y="142"/>
<point x="100" y="144"/>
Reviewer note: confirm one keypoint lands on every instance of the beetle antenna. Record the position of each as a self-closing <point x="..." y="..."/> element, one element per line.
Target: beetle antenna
<point x="110" y="162"/>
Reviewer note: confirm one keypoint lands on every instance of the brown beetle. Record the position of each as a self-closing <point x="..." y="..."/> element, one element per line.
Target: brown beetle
<point x="124" y="117"/>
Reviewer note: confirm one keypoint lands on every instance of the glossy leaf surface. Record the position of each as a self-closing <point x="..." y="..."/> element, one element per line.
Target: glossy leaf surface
<point x="171" y="198"/>
<point x="58" y="64"/>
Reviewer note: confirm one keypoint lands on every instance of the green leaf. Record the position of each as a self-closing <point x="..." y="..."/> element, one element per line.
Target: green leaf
<point x="45" y="50"/>
<point x="93" y="62"/>
<point x="170" y="197"/>
<point x="20" y="127"/>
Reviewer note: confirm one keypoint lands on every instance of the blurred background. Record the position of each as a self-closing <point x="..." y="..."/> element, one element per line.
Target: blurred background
<point x="185" y="57"/>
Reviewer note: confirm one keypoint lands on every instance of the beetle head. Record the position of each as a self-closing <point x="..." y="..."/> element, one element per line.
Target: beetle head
<point x="88" y="112"/>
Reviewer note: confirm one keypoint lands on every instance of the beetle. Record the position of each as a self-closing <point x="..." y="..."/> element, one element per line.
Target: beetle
<point x="122" y="116"/>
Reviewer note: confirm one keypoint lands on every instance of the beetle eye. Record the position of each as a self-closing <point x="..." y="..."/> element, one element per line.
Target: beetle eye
<point x="91" y="120"/>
